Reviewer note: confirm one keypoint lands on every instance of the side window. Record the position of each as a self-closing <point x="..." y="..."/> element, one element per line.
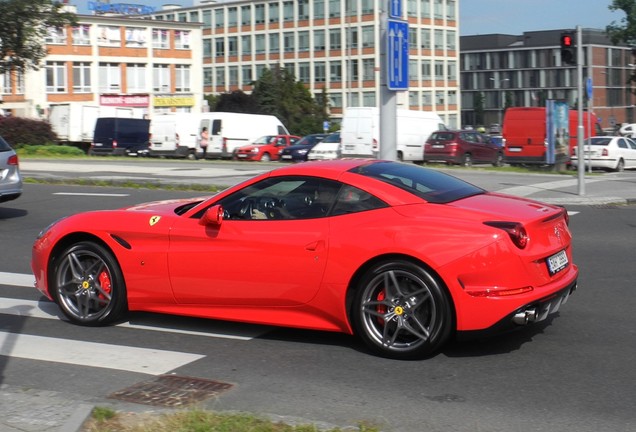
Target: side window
<point x="282" y="198"/>
<point x="622" y="143"/>
<point x="632" y="144"/>
<point x="216" y="127"/>
<point x="354" y="200"/>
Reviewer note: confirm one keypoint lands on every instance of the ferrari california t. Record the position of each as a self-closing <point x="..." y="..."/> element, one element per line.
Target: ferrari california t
<point x="402" y="256"/>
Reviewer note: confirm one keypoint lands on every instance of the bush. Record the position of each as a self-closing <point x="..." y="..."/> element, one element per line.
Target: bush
<point x="52" y="150"/>
<point x="19" y="131"/>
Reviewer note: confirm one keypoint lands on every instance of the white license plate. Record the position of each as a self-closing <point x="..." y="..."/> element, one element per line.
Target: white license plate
<point x="514" y="149"/>
<point x="438" y="145"/>
<point x="286" y="156"/>
<point x="557" y="262"/>
<point x="241" y="155"/>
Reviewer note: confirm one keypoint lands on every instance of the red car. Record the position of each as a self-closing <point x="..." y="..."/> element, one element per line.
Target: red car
<point x="464" y="147"/>
<point x="266" y="148"/>
<point x="400" y="255"/>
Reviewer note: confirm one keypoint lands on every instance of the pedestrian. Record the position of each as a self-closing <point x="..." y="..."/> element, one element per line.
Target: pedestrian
<point x="203" y="141"/>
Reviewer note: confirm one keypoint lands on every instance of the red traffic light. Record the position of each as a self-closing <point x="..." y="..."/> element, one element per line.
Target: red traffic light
<point x="567" y="40"/>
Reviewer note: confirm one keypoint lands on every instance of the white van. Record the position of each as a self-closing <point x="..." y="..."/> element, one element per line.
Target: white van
<point x="175" y="135"/>
<point x="327" y="149"/>
<point x="228" y="131"/>
<point x="360" y="135"/>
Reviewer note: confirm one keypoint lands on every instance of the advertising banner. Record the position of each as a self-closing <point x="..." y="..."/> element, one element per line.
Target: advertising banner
<point x="557" y="131"/>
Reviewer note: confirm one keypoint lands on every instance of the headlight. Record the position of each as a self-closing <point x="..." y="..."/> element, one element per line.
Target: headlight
<point x="254" y="150"/>
<point x="51" y="225"/>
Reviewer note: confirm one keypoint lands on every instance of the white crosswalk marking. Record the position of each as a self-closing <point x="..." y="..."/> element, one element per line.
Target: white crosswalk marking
<point x="17" y="279"/>
<point x="132" y="359"/>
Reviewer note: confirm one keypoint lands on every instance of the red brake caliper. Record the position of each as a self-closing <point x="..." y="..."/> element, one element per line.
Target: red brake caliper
<point x="381" y="308"/>
<point x="104" y="281"/>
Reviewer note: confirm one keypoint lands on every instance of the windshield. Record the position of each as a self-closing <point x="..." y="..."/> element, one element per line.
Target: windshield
<point x="428" y="184"/>
<point x="600" y="141"/>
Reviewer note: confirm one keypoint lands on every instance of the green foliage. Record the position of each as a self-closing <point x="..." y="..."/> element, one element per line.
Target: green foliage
<point x="625" y="31"/>
<point x="237" y="101"/>
<point x="24" y="26"/>
<point x="19" y="131"/>
<point x="52" y="150"/>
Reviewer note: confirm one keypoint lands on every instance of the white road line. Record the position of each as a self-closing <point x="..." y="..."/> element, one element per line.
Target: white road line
<point x="92" y="194"/>
<point x="17" y="279"/>
<point x="132" y="359"/>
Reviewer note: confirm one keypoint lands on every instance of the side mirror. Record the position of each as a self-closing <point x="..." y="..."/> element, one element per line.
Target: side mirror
<point x="212" y="216"/>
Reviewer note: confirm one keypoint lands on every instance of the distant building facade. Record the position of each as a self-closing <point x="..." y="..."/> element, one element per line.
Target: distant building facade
<point x="499" y="70"/>
<point x="329" y="45"/>
<point x="115" y="61"/>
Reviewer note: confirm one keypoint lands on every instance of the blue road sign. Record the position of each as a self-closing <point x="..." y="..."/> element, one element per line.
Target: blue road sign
<point x="397" y="55"/>
<point x="589" y="88"/>
<point x="395" y="9"/>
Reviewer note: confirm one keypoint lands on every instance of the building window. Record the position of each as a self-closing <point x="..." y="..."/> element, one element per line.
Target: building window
<point x="438" y="12"/>
<point x="319" y="40"/>
<point x="413" y="98"/>
<point x="207" y="18"/>
<point x="368" y="99"/>
<point x="368" y="6"/>
<point x="160" y="39"/>
<point x="368" y="69"/>
<point x="259" y="14"/>
<point x="335" y="71"/>
<point x="232" y="17"/>
<point x="288" y="11"/>
<point x="354" y="74"/>
<point x="5" y="78"/>
<point x="220" y="77"/>
<point x="234" y="75"/>
<point x="246" y="74"/>
<point x="55" y="77"/>
<point x="109" y="78"/>
<point x="219" y="47"/>
<point x="411" y="9"/>
<point x="161" y="78"/>
<point x="304" y="72"/>
<point x="182" y="39"/>
<point x="232" y="45"/>
<point x="136" y="78"/>
<point x="303" y="9"/>
<point x="320" y="72"/>
<point x="81" y="77"/>
<point x="207" y="48"/>
<point x="450" y="40"/>
<point x="334" y="8"/>
<point x="303" y="41"/>
<point x="335" y="100"/>
<point x="450" y="10"/>
<point x="194" y="16"/>
<point x="426" y="70"/>
<point x="109" y="36"/>
<point x="367" y="37"/>
<point x="439" y="71"/>
<point x="246" y="45"/>
<point x="219" y="18"/>
<point x="425" y="39"/>
<point x="274" y="10"/>
<point x="259" y="44"/>
<point x="274" y="42"/>
<point x="288" y="42"/>
<point x="335" y="42"/>
<point x="207" y="76"/>
<point x="82" y="35"/>
<point x="182" y="79"/>
<point x="319" y="9"/>
<point x="425" y="9"/>
<point x="439" y="39"/>
<point x="135" y="37"/>
<point x="353" y="38"/>
<point x="56" y="36"/>
<point x="413" y="70"/>
<point x="246" y="15"/>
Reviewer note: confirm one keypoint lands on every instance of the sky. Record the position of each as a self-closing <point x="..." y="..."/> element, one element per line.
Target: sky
<point x="484" y="16"/>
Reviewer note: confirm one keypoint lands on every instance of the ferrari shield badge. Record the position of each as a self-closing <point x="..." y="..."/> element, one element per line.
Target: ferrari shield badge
<point x="153" y="220"/>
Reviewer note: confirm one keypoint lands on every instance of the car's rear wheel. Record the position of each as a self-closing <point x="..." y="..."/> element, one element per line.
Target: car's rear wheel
<point x="467" y="160"/>
<point x="401" y="310"/>
<point x="88" y="285"/>
<point x="266" y="157"/>
<point x="499" y="160"/>
<point x="620" y="166"/>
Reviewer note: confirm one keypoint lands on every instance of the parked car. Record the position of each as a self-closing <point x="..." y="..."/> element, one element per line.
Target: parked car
<point x="265" y="148"/>
<point x="10" y="177"/>
<point x="607" y="152"/>
<point x="327" y="149"/>
<point x="403" y="256"/>
<point x="298" y="152"/>
<point x="464" y="147"/>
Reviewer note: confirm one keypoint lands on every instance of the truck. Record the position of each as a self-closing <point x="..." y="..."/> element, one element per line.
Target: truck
<point x="74" y="123"/>
<point x="360" y="132"/>
<point x="175" y="135"/>
<point x="229" y="131"/>
<point x="525" y="134"/>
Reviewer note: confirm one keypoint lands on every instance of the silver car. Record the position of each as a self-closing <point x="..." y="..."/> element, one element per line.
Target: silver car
<point x="10" y="178"/>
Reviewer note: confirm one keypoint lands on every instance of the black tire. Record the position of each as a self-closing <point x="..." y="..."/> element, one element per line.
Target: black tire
<point x="467" y="160"/>
<point x="499" y="160"/>
<point x="266" y="157"/>
<point x="88" y="285"/>
<point x="401" y="311"/>
<point x="620" y="166"/>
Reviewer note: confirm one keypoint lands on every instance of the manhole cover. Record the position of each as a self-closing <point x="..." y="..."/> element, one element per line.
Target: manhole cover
<point x="171" y="391"/>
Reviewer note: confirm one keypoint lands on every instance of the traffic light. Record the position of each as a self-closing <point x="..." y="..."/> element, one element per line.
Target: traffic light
<point x="568" y="48"/>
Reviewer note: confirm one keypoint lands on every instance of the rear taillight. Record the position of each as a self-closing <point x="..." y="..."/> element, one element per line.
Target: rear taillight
<point x="375" y="146"/>
<point x="605" y="152"/>
<point x="515" y="230"/>
<point x="13" y="160"/>
<point x="114" y="143"/>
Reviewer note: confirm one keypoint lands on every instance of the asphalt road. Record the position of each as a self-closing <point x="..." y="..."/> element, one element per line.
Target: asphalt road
<point x="574" y="372"/>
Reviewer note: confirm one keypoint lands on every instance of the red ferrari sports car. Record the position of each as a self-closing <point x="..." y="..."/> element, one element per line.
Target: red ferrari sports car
<point x="400" y="255"/>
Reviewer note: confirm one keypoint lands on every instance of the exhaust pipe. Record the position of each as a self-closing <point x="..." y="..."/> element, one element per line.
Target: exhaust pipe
<point x="525" y="316"/>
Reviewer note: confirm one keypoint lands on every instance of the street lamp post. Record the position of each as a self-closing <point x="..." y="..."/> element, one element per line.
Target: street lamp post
<point x="503" y="102"/>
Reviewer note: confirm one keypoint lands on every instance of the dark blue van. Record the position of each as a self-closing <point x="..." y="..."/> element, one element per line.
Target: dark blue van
<point x="121" y="136"/>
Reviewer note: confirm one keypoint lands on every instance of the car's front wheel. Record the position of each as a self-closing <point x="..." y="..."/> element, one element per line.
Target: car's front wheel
<point x="266" y="157"/>
<point x="467" y="160"/>
<point x="401" y="310"/>
<point x="88" y="285"/>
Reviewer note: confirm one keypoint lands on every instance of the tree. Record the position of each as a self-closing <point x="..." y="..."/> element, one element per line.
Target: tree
<point x="24" y="26"/>
<point x="237" y="101"/>
<point x="625" y="31"/>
